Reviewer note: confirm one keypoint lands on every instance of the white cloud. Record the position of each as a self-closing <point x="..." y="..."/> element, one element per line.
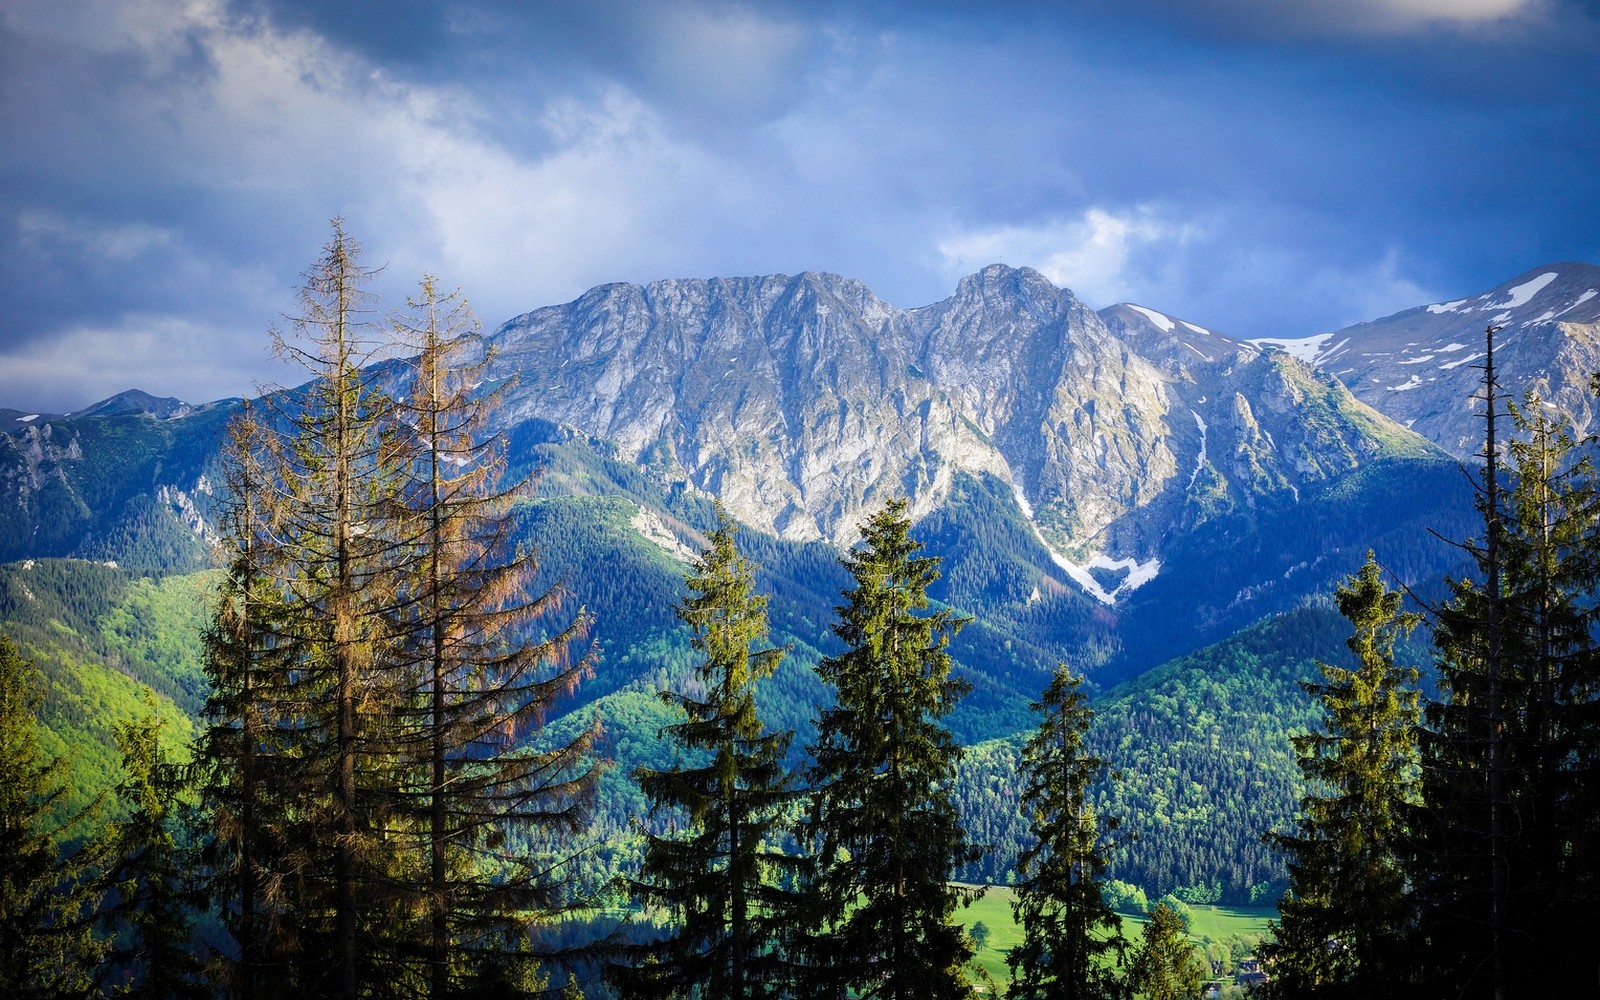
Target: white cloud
<point x="48" y="232"/>
<point x="1400" y="13"/>
<point x="600" y="206"/>
<point x="1096" y="255"/>
<point x="1360" y="17"/>
<point x="737" y="61"/>
<point x="1372" y="291"/>
<point x="162" y="355"/>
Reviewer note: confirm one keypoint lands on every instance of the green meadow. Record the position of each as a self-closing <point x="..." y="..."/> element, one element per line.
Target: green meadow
<point x="993" y="911"/>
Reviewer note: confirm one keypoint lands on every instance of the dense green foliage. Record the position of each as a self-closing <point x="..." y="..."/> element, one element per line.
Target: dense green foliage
<point x="1346" y="851"/>
<point x="48" y="886"/>
<point x="716" y="864"/>
<point x="100" y="636"/>
<point x="883" y="827"/>
<point x="1072" y="940"/>
<point x="1203" y="746"/>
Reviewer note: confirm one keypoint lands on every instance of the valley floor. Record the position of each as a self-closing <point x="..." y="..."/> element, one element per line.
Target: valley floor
<point x="1210" y="925"/>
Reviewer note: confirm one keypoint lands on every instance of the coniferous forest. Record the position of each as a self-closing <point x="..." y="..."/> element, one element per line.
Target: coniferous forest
<point x="374" y="801"/>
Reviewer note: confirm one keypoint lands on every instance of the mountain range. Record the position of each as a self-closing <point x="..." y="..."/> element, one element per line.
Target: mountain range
<point x="1116" y="489"/>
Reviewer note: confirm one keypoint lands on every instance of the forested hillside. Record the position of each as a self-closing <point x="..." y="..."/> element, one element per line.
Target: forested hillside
<point x="1202" y="749"/>
<point x="105" y="642"/>
<point x="456" y="677"/>
<point x="1202" y="739"/>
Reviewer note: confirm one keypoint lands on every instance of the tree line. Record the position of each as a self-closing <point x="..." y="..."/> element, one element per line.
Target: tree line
<point x="376" y="809"/>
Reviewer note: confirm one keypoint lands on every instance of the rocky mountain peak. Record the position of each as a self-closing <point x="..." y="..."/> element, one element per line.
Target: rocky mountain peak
<point x="804" y="402"/>
<point x="137" y="401"/>
<point x="1420" y="365"/>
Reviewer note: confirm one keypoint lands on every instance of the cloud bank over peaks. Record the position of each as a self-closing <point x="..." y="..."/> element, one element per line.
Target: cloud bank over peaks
<point x="1333" y="19"/>
<point x="1101" y="255"/>
<point x="1263" y="168"/>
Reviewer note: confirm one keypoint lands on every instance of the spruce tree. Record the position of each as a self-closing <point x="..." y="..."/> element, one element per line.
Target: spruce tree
<point x="1072" y="941"/>
<point x="1460" y="862"/>
<point x="1344" y="927"/>
<point x="885" y="830"/>
<point x="1166" y="966"/>
<point x="245" y="761"/>
<point x="386" y="814"/>
<point x="487" y="657"/>
<point x="154" y="884"/>
<point x="1551" y="558"/>
<point x="722" y="875"/>
<point x="49" y="885"/>
<point x="1504" y="857"/>
<point x="301" y="647"/>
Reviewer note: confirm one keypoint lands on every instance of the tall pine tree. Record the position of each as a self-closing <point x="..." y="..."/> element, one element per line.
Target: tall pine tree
<point x="488" y="657"/>
<point x="301" y="652"/>
<point x="246" y="759"/>
<point x="387" y="815"/>
<point x="885" y="829"/>
<point x="1461" y="867"/>
<point x="1551" y="557"/>
<point x="722" y="876"/>
<point x="1345" y="925"/>
<point x="1072" y="941"/>
<point x="1506" y="850"/>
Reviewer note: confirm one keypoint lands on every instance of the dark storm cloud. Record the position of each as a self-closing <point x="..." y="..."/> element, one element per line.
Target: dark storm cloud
<point x="167" y="171"/>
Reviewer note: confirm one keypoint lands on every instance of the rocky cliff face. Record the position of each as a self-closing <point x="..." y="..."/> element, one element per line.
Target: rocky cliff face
<point x="804" y="402"/>
<point x="795" y="400"/>
<point x="129" y="470"/>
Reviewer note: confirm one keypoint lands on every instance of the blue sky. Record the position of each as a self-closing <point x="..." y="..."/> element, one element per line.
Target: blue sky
<point x="168" y="167"/>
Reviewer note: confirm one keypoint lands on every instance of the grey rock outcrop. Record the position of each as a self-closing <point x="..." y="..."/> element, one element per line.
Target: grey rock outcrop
<point x="805" y="401"/>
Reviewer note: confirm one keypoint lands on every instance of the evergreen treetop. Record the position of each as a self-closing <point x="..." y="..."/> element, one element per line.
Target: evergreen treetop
<point x="1072" y="941"/>
<point x="723" y="875"/>
<point x="885" y="828"/>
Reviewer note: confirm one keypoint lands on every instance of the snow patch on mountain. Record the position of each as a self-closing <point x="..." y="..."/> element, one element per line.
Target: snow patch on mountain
<point x="1200" y="459"/>
<point x="1136" y="574"/>
<point x="1450" y="365"/>
<point x="1022" y="499"/>
<point x="1447" y="307"/>
<point x="1303" y="349"/>
<point x="1163" y="322"/>
<point x="1520" y="295"/>
<point x="1585" y="297"/>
